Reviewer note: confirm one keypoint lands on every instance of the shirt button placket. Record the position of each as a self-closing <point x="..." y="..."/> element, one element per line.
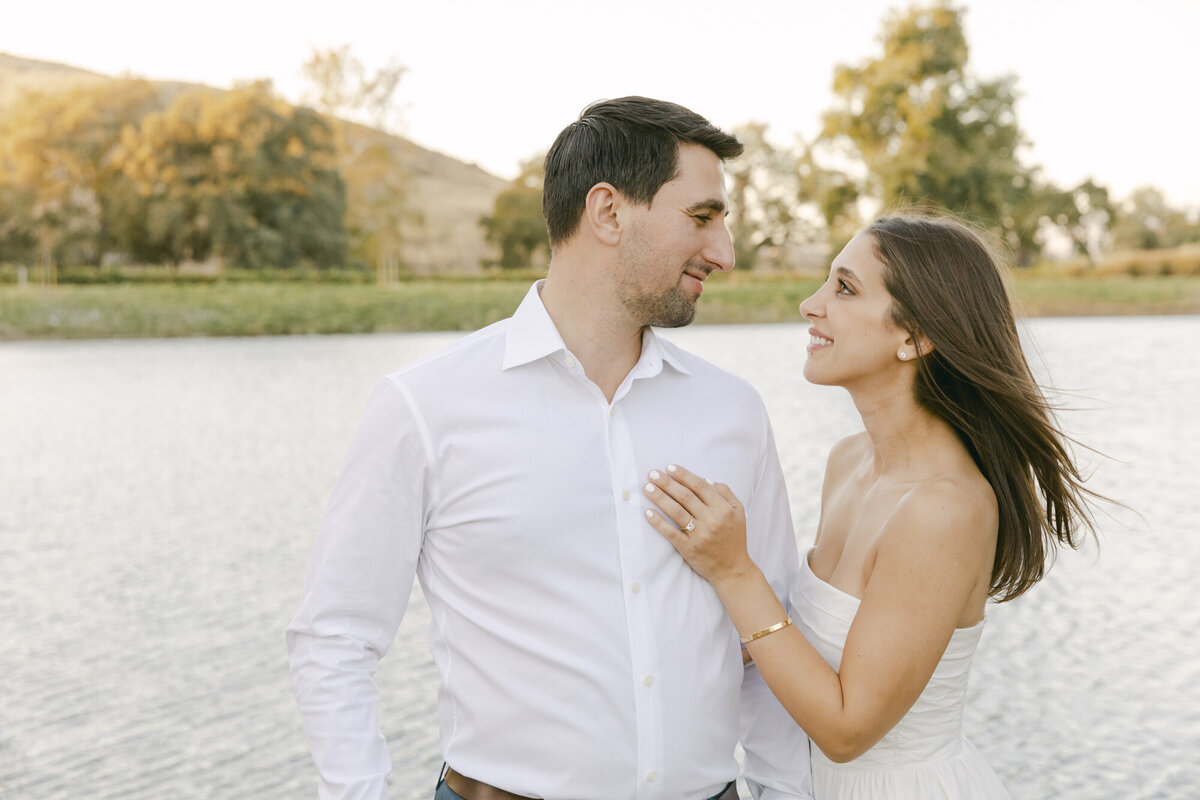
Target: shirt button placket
<point x="632" y="533"/>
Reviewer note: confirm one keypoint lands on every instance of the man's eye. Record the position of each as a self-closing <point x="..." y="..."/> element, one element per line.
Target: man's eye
<point x="701" y="219"/>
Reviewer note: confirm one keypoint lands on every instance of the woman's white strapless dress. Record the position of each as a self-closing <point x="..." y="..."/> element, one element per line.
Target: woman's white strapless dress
<point x="926" y="756"/>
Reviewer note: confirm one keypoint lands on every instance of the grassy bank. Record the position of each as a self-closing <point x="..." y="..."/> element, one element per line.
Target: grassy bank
<point x="759" y="299"/>
<point x="253" y="309"/>
<point x="250" y="309"/>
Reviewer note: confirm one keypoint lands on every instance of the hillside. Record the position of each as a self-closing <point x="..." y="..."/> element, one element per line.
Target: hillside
<point x="18" y="75"/>
<point x="448" y="195"/>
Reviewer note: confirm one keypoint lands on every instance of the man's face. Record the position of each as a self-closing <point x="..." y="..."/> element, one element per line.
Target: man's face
<point x="675" y="242"/>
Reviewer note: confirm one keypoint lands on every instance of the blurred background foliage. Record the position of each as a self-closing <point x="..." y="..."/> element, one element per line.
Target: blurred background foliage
<point x="123" y="180"/>
<point x="911" y="127"/>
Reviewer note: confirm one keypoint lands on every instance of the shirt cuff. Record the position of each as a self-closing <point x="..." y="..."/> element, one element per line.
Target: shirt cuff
<point x="760" y="792"/>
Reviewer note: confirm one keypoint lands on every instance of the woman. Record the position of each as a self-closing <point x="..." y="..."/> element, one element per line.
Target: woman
<point x="958" y="490"/>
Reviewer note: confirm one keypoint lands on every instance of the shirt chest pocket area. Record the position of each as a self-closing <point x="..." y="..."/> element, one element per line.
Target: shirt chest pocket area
<point x="505" y="492"/>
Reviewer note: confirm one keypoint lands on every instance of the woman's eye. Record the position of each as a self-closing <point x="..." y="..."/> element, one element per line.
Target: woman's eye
<point x="843" y="288"/>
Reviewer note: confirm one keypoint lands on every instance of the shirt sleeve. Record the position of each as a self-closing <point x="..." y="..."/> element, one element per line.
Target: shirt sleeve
<point x="356" y="593"/>
<point x="776" y="748"/>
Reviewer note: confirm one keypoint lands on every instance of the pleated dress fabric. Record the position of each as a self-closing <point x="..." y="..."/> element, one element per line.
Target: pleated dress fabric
<point x="926" y="756"/>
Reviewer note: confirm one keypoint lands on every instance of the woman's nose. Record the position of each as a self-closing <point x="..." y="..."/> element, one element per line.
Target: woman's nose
<point x="808" y="306"/>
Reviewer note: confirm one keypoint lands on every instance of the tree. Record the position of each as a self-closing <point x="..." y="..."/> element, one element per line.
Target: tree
<point x="378" y="214"/>
<point x="767" y="187"/>
<point x="1146" y="221"/>
<point x="241" y="176"/>
<point x="18" y="231"/>
<point x="837" y="198"/>
<point x="60" y="185"/>
<point x="378" y="211"/>
<point x="1082" y="213"/>
<point x="516" y="225"/>
<point x="340" y="86"/>
<point x="930" y="133"/>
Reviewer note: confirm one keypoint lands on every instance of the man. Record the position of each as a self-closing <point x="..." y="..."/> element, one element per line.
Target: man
<point x="580" y="656"/>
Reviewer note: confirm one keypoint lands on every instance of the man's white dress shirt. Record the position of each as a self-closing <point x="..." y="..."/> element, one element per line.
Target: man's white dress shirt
<point x="580" y="656"/>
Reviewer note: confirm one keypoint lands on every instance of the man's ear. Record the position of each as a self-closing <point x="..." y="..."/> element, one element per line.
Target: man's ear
<point x="600" y="213"/>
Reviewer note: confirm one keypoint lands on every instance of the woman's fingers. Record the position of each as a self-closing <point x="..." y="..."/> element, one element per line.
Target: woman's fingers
<point x="701" y="488"/>
<point x="682" y="493"/>
<point x="666" y="501"/>
<point x="691" y="501"/>
<point x="672" y="534"/>
<point x="727" y="494"/>
<point x="696" y="496"/>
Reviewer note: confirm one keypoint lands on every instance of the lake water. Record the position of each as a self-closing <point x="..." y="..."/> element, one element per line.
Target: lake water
<point x="158" y="500"/>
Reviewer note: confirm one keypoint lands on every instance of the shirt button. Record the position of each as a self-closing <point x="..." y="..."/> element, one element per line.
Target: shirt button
<point x="651" y="776"/>
<point x="625" y="495"/>
<point x="648" y="680"/>
<point x="570" y="361"/>
<point x="637" y="587"/>
<point x="612" y="412"/>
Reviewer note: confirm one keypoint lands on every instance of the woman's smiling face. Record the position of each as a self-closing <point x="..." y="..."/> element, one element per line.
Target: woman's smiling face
<point x="853" y="338"/>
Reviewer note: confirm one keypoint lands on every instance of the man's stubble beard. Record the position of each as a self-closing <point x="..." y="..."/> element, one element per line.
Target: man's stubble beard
<point x="670" y="308"/>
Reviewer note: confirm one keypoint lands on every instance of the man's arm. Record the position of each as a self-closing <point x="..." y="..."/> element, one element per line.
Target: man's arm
<point x="777" y="750"/>
<point x="356" y="593"/>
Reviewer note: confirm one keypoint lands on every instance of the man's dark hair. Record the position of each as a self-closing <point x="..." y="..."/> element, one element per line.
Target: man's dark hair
<point x="631" y="143"/>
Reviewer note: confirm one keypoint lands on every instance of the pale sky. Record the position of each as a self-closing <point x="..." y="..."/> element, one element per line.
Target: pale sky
<point x="1108" y="89"/>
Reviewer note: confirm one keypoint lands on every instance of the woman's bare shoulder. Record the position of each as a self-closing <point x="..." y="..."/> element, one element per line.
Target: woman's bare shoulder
<point x="952" y="512"/>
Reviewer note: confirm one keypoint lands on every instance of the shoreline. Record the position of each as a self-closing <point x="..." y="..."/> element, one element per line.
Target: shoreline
<point x="125" y="311"/>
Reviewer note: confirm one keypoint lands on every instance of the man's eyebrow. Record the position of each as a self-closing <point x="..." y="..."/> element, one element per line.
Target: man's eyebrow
<point x="711" y="204"/>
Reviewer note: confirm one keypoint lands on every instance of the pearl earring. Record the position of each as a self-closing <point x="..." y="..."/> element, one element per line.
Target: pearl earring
<point x="903" y="355"/>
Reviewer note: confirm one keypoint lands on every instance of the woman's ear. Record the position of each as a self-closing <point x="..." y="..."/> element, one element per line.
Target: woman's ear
<point x="915" y="345"/>
<point x="600" y="213"/>
<point x="924" y="346"/>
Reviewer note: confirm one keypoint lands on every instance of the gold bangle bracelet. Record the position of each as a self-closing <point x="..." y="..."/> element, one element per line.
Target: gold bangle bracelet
<point x="778" y="626"/>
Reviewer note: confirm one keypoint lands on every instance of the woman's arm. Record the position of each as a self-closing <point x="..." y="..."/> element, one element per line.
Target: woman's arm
<point x="925" y="572"/>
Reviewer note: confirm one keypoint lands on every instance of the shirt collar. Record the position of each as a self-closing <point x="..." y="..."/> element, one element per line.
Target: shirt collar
<point x="656" y="351"/>
<point x="531" y="335"/>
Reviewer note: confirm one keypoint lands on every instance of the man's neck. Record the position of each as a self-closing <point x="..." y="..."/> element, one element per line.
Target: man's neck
<point x="596" y="329"/>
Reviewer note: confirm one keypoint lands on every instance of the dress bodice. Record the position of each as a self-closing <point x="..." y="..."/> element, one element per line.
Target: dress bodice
<point x="925" y="756"/>
<point x="932" y="728"/>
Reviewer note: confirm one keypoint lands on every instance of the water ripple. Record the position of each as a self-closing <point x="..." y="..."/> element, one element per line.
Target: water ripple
<point x="160" y="499"/>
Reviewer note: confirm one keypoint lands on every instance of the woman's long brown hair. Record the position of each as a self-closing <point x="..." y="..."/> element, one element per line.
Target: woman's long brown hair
<point x="946" y="285"/>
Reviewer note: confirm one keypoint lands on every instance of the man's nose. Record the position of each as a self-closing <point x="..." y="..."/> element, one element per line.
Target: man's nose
<point x="719" y="252"/>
